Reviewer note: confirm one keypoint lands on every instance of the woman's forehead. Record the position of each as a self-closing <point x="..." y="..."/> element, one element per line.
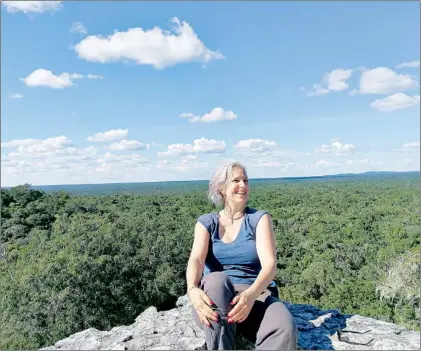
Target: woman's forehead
<point x="238" y="172"/>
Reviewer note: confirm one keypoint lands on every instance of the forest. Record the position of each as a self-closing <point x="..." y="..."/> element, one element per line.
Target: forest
<point x="70" y="262"/>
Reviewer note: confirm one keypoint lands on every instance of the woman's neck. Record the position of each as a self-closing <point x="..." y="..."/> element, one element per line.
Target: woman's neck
<point x="234" y="213"/>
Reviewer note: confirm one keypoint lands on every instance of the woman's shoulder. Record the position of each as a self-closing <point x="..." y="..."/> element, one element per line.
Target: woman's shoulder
<point x="254" y="215"/>
<point x="207" y="220"/>
<point x="253" y="212"/>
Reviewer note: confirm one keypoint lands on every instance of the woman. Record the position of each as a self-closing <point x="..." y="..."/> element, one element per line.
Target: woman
<point x="235" y="250"/>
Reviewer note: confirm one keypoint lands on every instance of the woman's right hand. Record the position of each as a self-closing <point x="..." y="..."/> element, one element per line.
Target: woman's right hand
<point x="201" y="303"/>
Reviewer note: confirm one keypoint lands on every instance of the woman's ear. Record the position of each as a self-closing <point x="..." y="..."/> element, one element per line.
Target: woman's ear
<point x="222" y="191"/>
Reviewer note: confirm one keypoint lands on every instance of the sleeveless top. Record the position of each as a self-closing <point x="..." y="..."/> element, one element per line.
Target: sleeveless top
<point x="238" y="259"/>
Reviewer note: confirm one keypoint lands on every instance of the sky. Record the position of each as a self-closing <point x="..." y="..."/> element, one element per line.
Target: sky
<point x="106" y="92"/>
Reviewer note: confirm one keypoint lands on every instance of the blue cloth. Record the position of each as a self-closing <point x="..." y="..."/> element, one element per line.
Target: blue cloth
<point x="238" y="259"/>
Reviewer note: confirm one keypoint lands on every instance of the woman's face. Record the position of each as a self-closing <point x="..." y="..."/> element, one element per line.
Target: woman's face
<point x="237" y="188"/>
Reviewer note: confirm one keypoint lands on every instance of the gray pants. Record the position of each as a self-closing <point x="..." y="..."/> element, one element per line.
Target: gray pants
<point x="270" y="326"/>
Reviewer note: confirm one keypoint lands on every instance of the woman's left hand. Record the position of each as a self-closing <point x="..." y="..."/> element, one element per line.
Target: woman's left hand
<point x="243" y="304"/>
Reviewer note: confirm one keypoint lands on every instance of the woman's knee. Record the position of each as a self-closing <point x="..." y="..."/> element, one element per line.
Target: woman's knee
<point x="219" y="288"/>
<point x="216" y="281"/>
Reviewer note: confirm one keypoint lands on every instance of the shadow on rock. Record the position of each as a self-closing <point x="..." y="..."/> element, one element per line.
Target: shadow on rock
<point x="316" y="326"/>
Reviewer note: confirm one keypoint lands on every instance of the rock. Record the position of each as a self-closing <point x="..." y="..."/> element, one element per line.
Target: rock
<point x="176" y="330"/>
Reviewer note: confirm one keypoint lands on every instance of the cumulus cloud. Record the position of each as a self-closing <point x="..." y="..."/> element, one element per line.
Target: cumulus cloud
<point x="216" y="114"/>
<point x="395" y="102"/>
<point x="128" y="145"/>
<point x="37" y="146"/>
<point x="31" y="6"/>
<point x="156" y="47"/>
<point x="109" y="135"/>
<point x="383" y="80"/>
<point x="45" y="78"/>
<point x="15" y="96"/>
<point x="410" y="64"/>
<point x="332" y="81"/>
<point x="78" y="27"/>
<point x="201" y="145"/>
<point x="336" y="147"/>
<point x="255" y="146"/>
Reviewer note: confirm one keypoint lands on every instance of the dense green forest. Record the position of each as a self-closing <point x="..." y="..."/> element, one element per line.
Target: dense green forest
<point x="72" y="262"/>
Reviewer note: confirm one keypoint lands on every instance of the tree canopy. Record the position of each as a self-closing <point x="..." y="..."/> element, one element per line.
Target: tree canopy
<point x="73" y="262"/>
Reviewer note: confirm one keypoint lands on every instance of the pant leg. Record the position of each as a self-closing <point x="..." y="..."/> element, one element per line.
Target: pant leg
<point x="220" y="335"/>
<point x="270" y="325"/>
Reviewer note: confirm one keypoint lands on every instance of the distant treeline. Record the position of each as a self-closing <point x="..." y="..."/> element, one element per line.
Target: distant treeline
<point x="71" y="262"/>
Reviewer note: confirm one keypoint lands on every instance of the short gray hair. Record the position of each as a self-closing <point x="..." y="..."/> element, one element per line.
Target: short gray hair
<point x="221" y="176"/>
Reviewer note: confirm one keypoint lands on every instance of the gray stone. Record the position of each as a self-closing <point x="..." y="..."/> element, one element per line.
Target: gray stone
<point x="176" y="330"/>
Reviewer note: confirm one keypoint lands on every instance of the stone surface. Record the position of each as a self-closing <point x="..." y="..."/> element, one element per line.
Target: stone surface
<point x="176" y="330"/>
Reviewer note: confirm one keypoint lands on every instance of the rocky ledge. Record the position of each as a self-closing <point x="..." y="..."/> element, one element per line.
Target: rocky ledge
<point x="175" y="330"/>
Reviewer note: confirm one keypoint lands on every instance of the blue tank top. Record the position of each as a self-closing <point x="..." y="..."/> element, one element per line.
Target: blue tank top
<point x="238" y="259"/>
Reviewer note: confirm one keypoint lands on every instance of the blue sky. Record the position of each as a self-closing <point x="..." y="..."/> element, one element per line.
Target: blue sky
<point x="96" y="92"/>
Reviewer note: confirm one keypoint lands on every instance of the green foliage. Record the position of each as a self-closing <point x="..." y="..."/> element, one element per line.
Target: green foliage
<point x="75" y="262"/>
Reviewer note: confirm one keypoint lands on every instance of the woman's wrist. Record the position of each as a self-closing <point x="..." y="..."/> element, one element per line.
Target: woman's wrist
<point x="191" y="287"/>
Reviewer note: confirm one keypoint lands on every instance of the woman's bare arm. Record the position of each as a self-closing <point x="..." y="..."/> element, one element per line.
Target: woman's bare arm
<point x="266" y="250"/>
<point x="197" y="256"/>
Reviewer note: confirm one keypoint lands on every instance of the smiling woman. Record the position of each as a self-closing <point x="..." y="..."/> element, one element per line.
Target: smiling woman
<point x="231" y="270"/>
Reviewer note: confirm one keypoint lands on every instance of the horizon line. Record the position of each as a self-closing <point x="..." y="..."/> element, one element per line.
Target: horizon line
<point x="206" y="180"/>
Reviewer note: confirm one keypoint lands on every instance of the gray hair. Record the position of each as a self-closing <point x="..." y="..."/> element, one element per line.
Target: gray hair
<point x="221" y="177"/>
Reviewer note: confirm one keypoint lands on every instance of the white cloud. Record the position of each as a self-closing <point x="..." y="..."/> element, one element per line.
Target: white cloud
<point x="15" y="96"/>
<point x="201" y="145"/>
<point x="78" y="27"/>
<point x="177" y="149"/>
<point x="31" y="6"/>
<point x="36" y="147"/>
<point x="204" y="145"/>
<point x="383" y="80"/>
<point x="156" y="47"/>
<point x="395" y="102"/>
<point x="94" y="76"/>
<point x="128" y="145"/>
<point x="109" y="135"/>
<point x="217" y="114"/>
<point x="332" y="81"/>
<point x="411" y="145"/>
<point x="336" y="147"/>
<point x="410" y="64"/>
<point x="20" y="142"/>
<point x="256" y="146"/>
<point x="43" y="77"/>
